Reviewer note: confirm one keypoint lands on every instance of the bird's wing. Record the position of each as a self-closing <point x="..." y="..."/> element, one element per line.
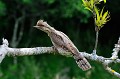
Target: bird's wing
<point x="69" y="44"/>
<point x="59" y="39"/>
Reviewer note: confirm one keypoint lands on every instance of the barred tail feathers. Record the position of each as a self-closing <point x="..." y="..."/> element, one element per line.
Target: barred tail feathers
<point x="82" y="62"/>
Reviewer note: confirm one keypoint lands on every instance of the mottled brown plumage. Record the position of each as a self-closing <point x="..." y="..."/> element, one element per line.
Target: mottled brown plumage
<point x="62" y="42"/>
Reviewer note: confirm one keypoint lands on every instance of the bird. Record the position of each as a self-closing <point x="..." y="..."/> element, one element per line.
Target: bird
<point x="62" y="42"/>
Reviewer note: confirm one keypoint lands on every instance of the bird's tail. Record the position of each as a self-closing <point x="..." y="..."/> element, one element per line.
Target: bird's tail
<point x="82" y="62"/>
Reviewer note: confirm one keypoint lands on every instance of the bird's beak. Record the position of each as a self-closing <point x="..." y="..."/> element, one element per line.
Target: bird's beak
<point x="36" y="26"/>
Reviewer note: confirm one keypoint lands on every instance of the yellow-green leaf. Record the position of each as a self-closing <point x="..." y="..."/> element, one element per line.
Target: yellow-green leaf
<point x="88" y="9"/>
<point x="104" y="1"/>
<point x="83" y="1"/>
<point x="97" y="13"/>
<point x="105" y="15"/>
<point x="101" y="12"/>
<point x="92" y="3"/>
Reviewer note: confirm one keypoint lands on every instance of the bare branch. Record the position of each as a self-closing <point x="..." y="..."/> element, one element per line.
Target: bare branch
<point x="20" y="35"/>
<point x="116" y="50"/>
<point x="112" y="71"/>
<point x="29" y="51"/>
<point x="5" y="50"/>
<point x="14" y="41"/>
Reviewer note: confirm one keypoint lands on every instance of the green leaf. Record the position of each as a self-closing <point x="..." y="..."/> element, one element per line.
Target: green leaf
<point x="97" y="13"/>
<point x="102" y="19"/>
<point x="88" y="9"/>
<point x="101" y="12"/>
<point x="92" y="3"/>
<point x="83" y="2"/>
<point x="105" y="15"/>
<point x="104" y="1"/>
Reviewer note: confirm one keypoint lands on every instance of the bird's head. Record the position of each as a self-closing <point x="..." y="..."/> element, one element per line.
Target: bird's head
<point x="42" y="25"/>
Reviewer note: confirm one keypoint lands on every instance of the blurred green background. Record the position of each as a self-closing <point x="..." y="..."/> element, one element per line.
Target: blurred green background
<point x="17" y="18"/>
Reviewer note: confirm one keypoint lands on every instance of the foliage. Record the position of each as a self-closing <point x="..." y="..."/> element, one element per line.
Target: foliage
<point x="2" y="8"/>
<point x="100" y="17"/>
<point x="56" y="8"/>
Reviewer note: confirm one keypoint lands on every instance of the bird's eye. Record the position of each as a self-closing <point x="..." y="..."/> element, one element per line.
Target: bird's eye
<point x="47" y="30"/>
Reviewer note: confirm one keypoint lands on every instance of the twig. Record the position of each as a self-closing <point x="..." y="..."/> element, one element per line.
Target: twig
<point x="96" y="40"/>
<point x="97" y="33"/>
<point x="112" y="71"/>
<point x="14" y="39"/>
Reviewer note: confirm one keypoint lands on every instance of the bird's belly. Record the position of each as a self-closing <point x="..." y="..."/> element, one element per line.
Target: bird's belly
<point x="64" y="52"/>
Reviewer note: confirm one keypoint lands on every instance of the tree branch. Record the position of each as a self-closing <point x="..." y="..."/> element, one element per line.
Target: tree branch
<point x="14" y="41"/>
<point x="29" y="51"/>
<point x="5" y="50"/>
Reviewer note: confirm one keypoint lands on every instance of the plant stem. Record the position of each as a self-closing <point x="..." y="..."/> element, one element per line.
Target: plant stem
<point x="96" y="40"/>
<point x="97" y="32"/>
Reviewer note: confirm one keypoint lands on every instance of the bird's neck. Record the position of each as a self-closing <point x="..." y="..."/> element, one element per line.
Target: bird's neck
<point x="50" y="31"/>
